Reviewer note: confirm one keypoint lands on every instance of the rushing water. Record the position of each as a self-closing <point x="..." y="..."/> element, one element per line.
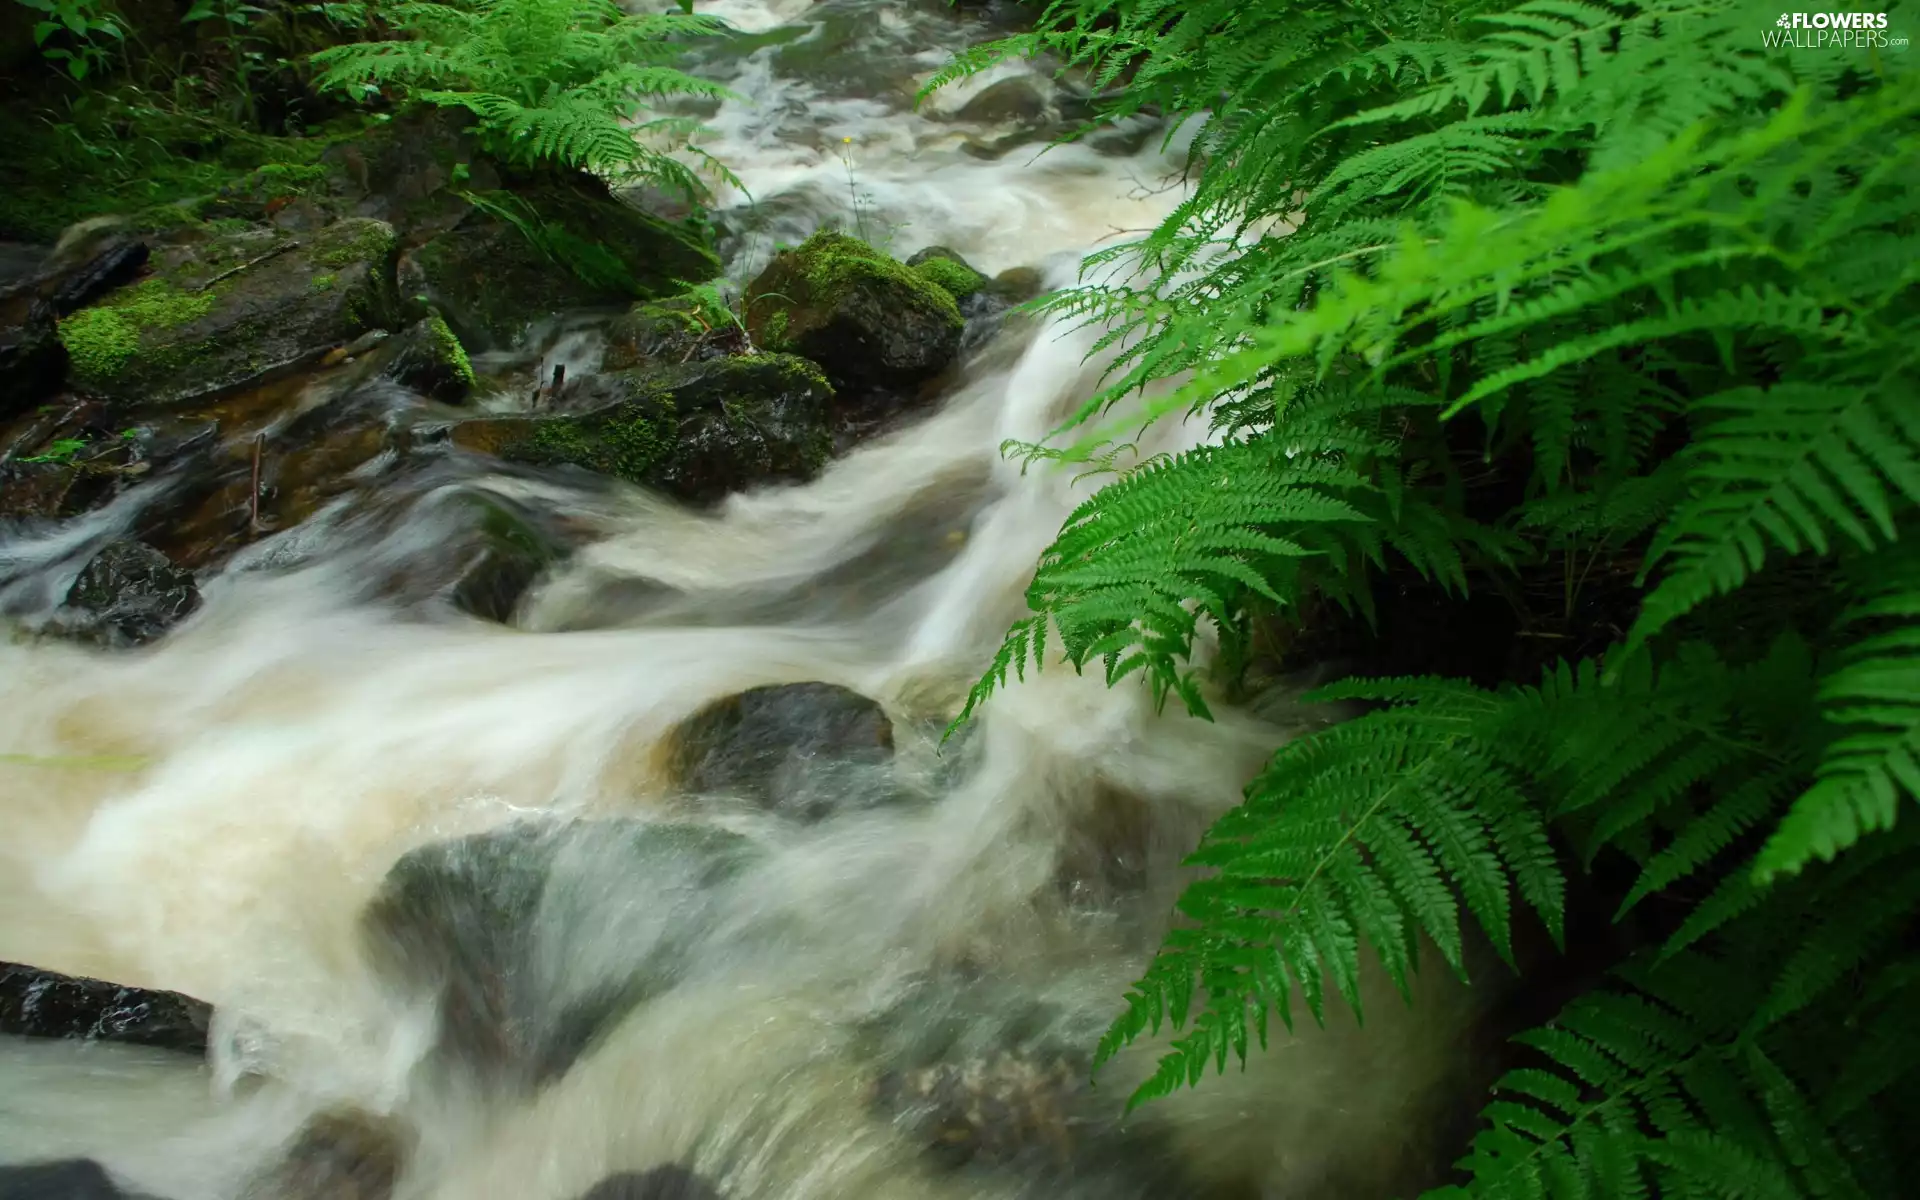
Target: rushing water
<point x="299" y="735"/>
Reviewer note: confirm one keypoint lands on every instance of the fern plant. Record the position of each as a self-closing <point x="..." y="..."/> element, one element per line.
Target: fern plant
<point x="1609" y="310"/>
<point x="565" y="81"/>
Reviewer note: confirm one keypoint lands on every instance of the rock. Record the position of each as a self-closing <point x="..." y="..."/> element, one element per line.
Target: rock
<point x="32" y="360"/>
<point x="51" y="490"/>
<point x="231" y="311"/>
<point x="1020" y="98"/>
<point x="42" y="1004"/>
<point x="946" y="268"/>
<point x="493" y="282"/>
<point x="660" y="1183"/>
<point x="535" y="937"/>
<point x="800" y="748"/>
<point x="129" y="594"/>
<point x="676" y="330"/>
<point x="408" y="173"/>
<point x="985" y="1077"/>
<point x="341" y="1155"/>
<point x="68" y="1179"/>
<point x="427" y="358"/>
<point x="868" y="320"/>
<point x="1017" y="285"/>
<point x="697" y="431"/>
<point x="501" y="550"/>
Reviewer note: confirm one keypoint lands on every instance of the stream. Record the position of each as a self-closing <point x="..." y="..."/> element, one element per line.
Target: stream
<point x="955" y="946"/>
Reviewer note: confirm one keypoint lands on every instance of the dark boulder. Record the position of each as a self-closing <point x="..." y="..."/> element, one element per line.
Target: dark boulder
<point x="535" y="938"/>
<point x="129" y="594"/>
<point x="228" y="310"/>
<point x="340" y="1155"/>
<point x="698" y="430"/>
<point x="545" y="247"/>
<point x="42" y="1004"/>
<point x="807" y="749"/>
<point x="67" y="1179"/>
<point x="660" y="1183"/>
<point x="870" y="321"/>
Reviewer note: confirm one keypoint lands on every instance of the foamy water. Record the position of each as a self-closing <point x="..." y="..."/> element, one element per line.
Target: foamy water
<point x="296" y="737"/>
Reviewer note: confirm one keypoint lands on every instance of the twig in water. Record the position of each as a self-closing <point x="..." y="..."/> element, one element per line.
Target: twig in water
<point x="253" y="494"/>
<point x="282" y="248"/>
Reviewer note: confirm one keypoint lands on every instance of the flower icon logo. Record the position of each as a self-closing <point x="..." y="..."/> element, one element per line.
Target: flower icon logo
<point x="1786" y="19"/>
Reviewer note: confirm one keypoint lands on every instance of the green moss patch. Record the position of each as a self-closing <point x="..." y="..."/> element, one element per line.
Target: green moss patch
<point x="626" y="442"/>
<point x="832" y="263"/>
<point x="447" y="348"/>
<point x="101" y="340"/>
<point x="956" y="279"/>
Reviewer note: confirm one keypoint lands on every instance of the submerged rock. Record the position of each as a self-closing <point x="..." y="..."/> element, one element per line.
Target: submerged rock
<point x="867" y="319"/>
<point x="697" y="430"/>
<point x="129" y="594"/>
<point x="232" y="310"/>
<point x="341" y="1155"/>
<point x="660" y="1183"/>
<point x="807" y="749"/>
<point x="43" y="1004"/>
<point x="67" y="1179"/>
<point x="536" y="937"/>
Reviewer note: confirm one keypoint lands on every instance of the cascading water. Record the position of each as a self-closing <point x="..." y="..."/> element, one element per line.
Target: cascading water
<point x="299" y="735"/>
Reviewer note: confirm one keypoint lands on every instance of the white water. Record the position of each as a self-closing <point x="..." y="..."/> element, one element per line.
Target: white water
<point x="298" y="737"/>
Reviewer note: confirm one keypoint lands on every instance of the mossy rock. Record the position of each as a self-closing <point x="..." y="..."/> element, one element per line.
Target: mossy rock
<point x="570" y="245"/>
<point x="946" y="268"/>
<point x="869" y="320"/>
<point x="670" y="331"/>
<point x="536" y="937"/>
<point x="695" y="430"/>
<point x="230" y="311"/>
<point x="428" y="358"/>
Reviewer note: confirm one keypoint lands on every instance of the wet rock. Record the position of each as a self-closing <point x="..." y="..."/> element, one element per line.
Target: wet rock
<point x="51" y="490"/>
<point x="807" y="749"/>
<point x="536" y="937"/>
<point x="493" y="282"/>
<point x="511" y="551"/>
<point x="408" y="173"/>
<point x="985" y="1077"/>
<point x="32" y="360"/>
<point x="869" y="321"/>
<point x="342" y="1155"/>
<point x="68" y="1179"/>
<point x="232" y="310"/>
<point x="1020" y="98"/>
<point x="1016" y="285"/>
<point x="129" y="594"/>
<point x="660" y="1183"/>
<point x="42" y="1004"/>
<point x="668" y="332"/>
<point x="698" y="430"/>
<point x="427" y="358"/>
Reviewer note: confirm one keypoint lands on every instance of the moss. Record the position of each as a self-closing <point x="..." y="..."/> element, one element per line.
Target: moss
<point x="447" y="348"/>
<point x="324" y="283"/>
<point x="776" y="336"/>
<point x="957" y="279"/>
<point x="832" y="263"/>
<point x="627" y="442"/>
<point x="229" y="224"/>
<point x="366" y="241"/>
<point x="101" y="340"/>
